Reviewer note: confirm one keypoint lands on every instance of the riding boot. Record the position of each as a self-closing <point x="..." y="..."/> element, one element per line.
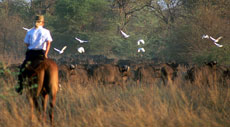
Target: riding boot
<point x="20" y="88"/>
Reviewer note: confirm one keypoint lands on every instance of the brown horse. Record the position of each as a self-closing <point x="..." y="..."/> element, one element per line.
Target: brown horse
<point x="46" y="78"/>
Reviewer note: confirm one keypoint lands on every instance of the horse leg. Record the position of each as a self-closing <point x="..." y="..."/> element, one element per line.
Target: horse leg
<point x="54" y="89"/>
<point x="51" y="112"/>
<point x="37" y="107"/>
<point x="31" y="108"/>
<point x="41" y="77"/>
<point x="46" y="97"/>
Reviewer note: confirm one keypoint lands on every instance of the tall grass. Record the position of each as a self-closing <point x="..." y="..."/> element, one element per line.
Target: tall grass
<point x="176" y="105"/>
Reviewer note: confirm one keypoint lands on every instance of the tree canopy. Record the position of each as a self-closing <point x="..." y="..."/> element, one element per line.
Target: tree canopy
<point x="172" y="29"/>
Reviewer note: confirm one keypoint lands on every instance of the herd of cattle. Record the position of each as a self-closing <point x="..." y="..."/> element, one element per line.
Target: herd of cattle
<point x="143" y="73"/>
<point x="128" y="72"/>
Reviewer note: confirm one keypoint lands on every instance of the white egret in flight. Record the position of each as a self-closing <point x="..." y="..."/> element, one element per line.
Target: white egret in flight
<point x="141" y="41"/>
<point x="213" y="39"/>
<point x="141" y="50"/>
<point x="60" y="51"/>
<point x="81" y="50"/>
<point x="81" y="41"/>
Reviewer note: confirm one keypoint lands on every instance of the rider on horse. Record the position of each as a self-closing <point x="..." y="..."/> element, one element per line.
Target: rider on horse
<point x="38" y="41"/>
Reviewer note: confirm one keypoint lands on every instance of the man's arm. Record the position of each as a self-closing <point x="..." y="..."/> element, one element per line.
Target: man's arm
<point x="47" y="49"/>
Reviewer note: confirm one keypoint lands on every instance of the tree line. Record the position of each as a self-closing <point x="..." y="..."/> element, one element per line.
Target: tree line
<point x="172" y="29"/>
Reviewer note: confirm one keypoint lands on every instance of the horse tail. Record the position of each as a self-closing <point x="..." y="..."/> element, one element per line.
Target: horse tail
<point x="40" y="70"/>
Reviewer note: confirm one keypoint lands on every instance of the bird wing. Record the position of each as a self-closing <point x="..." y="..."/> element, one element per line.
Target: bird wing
<point x="219" y="45"/>
<point x="82" y="49"/>
<point x="219" y="38"/>
<point x="63" y="48"/>
<point x="79" y="50"/>
<point x="124" y="34"/>
<point x="212" y="39"/>
<point x="81" y="41"/>
<point x="138" y="50"/>
<point x="78" y="39"/>
<point x="142" y="41"/>
<point x="57" y="50"/>
<point x="143" y="49"/>
<point x="25" y="28"/>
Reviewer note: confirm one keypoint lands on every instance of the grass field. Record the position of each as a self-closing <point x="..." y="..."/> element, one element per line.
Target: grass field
<point x="176" y="105"/>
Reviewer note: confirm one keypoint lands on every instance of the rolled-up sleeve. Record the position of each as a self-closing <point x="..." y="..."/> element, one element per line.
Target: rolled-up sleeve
<point x="48" y="37"/>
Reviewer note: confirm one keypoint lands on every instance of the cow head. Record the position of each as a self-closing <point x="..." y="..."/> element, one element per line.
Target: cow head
<point x="211" y="63"/>
<point x="124" y="68"/>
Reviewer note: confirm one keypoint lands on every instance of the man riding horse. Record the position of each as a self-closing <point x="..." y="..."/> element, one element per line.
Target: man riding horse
<point x="38" y="69"/>
<point x="38" y="41"/>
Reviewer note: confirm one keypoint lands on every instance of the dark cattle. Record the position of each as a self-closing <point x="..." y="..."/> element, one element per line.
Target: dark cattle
<point x="64" y="73"/>
<point x="169" y="72"/>
<point x="108" y="74"/>
<point x="125" y="72"/>
<point x="150" y="74"/>
<point x="74" y="73"/>
<point x="147" y="74"/>
<point x="79" y="75"/>
<point x="208" y="73"/>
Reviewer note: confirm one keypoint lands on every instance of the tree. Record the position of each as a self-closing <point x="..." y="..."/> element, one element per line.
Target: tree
<point x="42" y="6"/>
<point x="10" y="25"/>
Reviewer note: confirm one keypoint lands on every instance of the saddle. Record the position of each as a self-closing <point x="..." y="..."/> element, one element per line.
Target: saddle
<point x="29" y="66"/>
<point x="32" y="64"/>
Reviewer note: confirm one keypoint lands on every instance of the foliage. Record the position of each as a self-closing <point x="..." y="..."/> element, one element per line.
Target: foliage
<point x="172" y="29"/>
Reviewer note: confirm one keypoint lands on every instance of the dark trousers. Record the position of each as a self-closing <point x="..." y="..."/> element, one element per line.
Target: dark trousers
<point x="33" y="58"/>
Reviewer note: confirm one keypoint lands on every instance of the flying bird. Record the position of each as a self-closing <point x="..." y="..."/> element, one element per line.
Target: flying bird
<point x="81" y="41"/>
<point x="60" y="51"/>
<point x="81" y="50"/>
<point x="214" y="40"/>
<point x="141" y="50"/>
<point x="124" y="34"/>
<point x="141" y="41"/>
<point x="26" y="29"/>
